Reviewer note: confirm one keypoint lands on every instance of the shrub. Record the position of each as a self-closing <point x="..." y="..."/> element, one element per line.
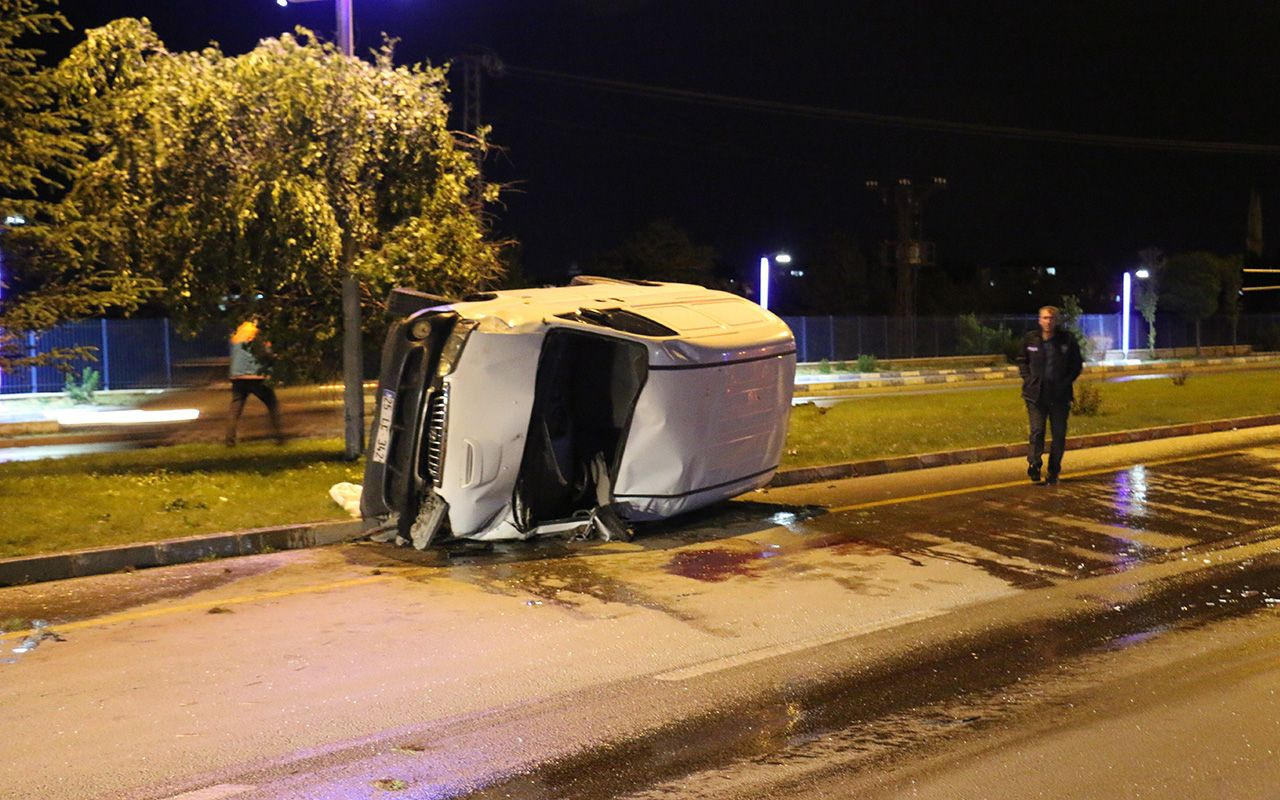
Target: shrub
<point x="867" y="363"/>
<point x="1267" y="339"/>
<point x="824" y="367"/>
<point x="81" y="390"/>
<point x="975" y="339"/>
<point x="1087" y="400"/>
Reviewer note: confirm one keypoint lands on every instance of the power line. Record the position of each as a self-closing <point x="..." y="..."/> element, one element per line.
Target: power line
<point x="895" y="121"/>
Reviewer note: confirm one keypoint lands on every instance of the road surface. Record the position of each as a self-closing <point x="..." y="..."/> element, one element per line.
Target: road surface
<point x="887" y="632"/>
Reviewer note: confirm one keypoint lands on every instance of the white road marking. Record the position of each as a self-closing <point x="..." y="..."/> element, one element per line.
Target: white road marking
<point x="752" y="656"/>
<point x="216" y="792"/>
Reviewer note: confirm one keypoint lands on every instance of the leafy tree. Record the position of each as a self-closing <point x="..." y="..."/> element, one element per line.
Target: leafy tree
<point x="1231" y="275"/>
<point x="36" y="139"/>
<point x="1069" y="317"/>
<point x="40" y="145"/>
<point x="660" y="251"/>
<point x="1192" y="282"/>
<point x="1147" y="291"/>
<point x="838" y="280"/>
<point x="248" y="185"/>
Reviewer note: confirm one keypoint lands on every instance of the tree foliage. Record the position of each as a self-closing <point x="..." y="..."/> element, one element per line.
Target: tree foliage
<point x="1147" y="291"/>
<point x="1192" y="282"/>
<point x="37" y="141"/>
<point x="661" y="251"/>
<point x="245" y="186"/>
<point x="42" y="143"/>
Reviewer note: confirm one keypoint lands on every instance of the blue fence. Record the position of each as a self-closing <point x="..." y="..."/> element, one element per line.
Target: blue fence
<point x="130" y="354"/>
<point x="148" y="354"/>
<point x="845" y="338"/>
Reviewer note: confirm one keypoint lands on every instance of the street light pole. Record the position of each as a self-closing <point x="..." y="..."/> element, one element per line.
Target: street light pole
<point x="352" y="346"/>
<point x="1124" y="315"/>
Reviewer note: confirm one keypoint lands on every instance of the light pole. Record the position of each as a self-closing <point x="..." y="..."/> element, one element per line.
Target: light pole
<point x="1124" y="316"/>
<point x="352" y="352"/>
<point x="766" y="262"/>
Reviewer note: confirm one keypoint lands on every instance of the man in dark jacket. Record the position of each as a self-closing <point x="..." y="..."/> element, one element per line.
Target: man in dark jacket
<point x="1049" y="362"/>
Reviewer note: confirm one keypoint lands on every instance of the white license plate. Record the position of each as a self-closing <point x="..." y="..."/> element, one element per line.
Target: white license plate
<point x="383" y="440"/>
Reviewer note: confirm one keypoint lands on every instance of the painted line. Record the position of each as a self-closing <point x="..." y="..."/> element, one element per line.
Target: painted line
<point x="752" y="656"/>
<point x="893" y="501"/>
<point x="217" y="792"/>
<point x="203" y="605"/>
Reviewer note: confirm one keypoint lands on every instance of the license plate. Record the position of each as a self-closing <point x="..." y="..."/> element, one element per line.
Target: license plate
<point x="383" y="440"/>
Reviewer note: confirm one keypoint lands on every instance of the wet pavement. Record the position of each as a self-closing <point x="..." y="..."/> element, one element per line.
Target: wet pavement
<point x="846" y="624"/>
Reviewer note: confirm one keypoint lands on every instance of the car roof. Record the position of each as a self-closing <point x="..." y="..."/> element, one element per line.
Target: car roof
<point x="688" y="310"/>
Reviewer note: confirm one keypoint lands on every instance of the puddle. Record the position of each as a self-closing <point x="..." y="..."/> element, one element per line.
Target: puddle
<point x="713" y="566"/>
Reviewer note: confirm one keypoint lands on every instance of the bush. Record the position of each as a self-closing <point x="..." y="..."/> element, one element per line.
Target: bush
<point x="868" y="363"/>
<point x="973" y="338"/>
<point x="1267" y="339"/>
<point x="81" y="390"/>
<point x="1087" y="401"/>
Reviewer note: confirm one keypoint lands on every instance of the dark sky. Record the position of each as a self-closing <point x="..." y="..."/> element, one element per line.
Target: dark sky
<point x="594" y="166"/>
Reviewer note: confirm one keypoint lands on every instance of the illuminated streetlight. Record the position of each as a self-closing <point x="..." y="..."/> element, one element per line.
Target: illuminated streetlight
<point x="780" y="258"/>
<point x="1124" y="315"/>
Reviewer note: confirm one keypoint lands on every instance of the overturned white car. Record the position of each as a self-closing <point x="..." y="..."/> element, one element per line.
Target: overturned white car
<point x="573" y="409"/>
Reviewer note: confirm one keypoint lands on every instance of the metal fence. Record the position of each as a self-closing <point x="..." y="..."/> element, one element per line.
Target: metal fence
<point x="148" y="354"/>
<point x="130" y="354"/>
<point x="845" y="338"/>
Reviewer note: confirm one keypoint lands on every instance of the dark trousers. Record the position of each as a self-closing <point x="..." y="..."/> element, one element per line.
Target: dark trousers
<point x="241" y="388"/>
<point x="1056" y="415"/>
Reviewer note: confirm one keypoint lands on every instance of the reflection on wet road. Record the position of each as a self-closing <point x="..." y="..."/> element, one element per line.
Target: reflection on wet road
<point x="1028" y="536"/>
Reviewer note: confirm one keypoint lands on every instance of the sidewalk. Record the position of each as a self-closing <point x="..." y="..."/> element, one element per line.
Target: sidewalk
<point x="59" y="566"/>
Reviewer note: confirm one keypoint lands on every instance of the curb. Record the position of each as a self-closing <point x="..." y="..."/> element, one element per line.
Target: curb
<point x="101" y="560"/>
<point x="973" y="455"/>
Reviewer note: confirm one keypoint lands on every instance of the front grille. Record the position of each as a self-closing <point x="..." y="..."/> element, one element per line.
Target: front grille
<point x="436" y="422"/>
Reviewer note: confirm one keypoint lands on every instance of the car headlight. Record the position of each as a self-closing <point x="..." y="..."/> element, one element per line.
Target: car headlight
<point x="420" y="329"/>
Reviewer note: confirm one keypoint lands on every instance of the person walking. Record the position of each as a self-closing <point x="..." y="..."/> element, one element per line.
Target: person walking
<point x="248" y="377"/>
<point x="1049" y="362"/>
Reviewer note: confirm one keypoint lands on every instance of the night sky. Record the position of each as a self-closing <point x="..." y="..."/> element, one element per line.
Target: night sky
<point x="593" y="166"/>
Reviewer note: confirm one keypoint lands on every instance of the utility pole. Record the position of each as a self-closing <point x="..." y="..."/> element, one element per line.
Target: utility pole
<point x="352" y="345"/>
<point x="907" y="252"/>
<point x="472" y="65"/>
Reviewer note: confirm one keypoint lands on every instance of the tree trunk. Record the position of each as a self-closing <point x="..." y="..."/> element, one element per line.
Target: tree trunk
<point x="1197" y="337"/>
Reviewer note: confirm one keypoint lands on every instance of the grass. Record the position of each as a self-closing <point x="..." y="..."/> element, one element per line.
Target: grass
<point x="163" y="493"/>
<point x="145" y="495"/>
<point x="905" y="424"/>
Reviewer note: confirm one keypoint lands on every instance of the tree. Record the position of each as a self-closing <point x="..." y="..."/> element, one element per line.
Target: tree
<point x="1069" y="318"/>
<point x="248" y="185"/>
<point x="1191" y="285"/>
<point x="1231" y="276"/>
<point x="660" y="251"/>
<point x="1147" y="291"/>
<point x="39" y="146"/>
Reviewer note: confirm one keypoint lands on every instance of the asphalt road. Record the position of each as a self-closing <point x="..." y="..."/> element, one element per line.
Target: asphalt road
<point x="894" y="633"/>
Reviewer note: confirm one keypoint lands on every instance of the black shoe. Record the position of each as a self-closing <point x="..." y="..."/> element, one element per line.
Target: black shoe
<point x="1034" y="474"/>
<point x="1053" y="478"/>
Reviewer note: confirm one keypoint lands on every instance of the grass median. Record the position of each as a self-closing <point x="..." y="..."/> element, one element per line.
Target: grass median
<point x="145" y="495"/>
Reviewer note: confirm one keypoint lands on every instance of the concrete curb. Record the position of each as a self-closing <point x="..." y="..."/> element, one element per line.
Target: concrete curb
<point x="972" y="455"/>
<point x="101" y="560"/>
